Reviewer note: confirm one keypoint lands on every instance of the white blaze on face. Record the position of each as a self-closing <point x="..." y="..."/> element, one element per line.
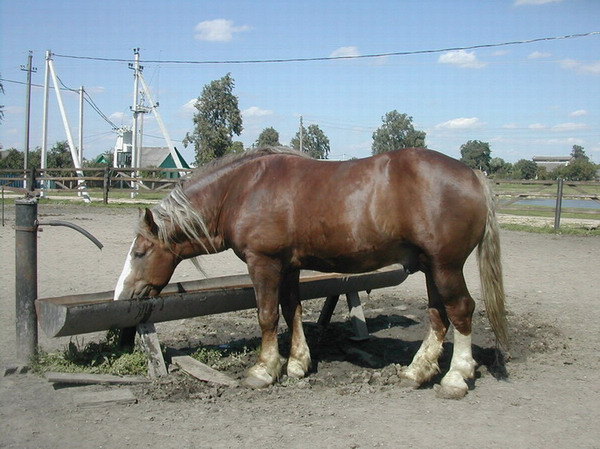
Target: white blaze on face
<point x="124" y="274"/>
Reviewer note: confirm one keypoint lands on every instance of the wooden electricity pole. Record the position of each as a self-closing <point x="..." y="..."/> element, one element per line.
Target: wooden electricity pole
<point x="29" y="69"/>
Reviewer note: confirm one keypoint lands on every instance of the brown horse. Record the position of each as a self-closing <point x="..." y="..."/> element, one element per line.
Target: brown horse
<point x="281" y="211"/>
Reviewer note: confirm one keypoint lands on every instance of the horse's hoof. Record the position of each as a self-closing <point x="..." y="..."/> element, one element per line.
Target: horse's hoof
<point x="408" y="383"/>
<point x="258" y="377"/>
<point x="452" y="386"/>
<point x="449" y="392"/>
<point x="255" y="383"/>
<point x="296" y="369"/>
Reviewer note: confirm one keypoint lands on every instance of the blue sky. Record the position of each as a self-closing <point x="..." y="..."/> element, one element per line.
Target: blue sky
<point x="525" y="100"/>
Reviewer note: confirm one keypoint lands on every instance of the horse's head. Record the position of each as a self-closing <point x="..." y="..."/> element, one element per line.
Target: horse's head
<point x="149" y="264"/>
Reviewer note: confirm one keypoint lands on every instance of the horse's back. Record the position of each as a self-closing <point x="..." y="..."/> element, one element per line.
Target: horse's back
<point x="359" y="213"/>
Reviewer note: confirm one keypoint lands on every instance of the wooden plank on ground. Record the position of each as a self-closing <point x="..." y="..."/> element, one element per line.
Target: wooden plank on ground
<point x="117" y="396"/>
<point x="203" y="372"/>
<point x="87" y="379"/>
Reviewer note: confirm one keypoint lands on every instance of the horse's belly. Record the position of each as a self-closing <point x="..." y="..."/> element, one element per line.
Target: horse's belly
<point x="363" y="261"/>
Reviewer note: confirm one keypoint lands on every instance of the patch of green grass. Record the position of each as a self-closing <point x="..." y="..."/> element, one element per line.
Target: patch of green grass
<point x="105" y="357"/>
<point x="222" y="358"/>
<point x="563" y="230"/>
<point x="541" y="211"/>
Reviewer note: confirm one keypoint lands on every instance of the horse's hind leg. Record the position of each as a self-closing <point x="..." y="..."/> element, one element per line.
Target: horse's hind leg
<point x="299" y="360"/>
<point x="459" y="308"/>
<point x="425" y="362"/>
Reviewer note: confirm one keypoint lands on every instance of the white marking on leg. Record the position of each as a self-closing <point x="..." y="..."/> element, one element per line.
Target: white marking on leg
<point x="462" y="367"/>
<point x="424" y="364"/>
<point x="462" y="356"/>
<point x="124" y="274"/>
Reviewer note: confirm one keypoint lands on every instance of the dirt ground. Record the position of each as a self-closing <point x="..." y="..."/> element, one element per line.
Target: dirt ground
<point x="550" y="397"/>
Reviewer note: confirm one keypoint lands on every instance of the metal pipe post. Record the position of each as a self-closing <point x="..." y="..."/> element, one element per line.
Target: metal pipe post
<point x="26" y="278"/>
<point x="558" y="209"/>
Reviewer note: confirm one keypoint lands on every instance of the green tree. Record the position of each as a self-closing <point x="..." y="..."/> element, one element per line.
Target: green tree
<point x="396" y="132"/>
<point x="314" y="142"/>
<point x="269" y="137"/>
<point x="476" y="154"/>
<point x="12" y="160"/>
<point x="217" y="119"/>
<point x="524" y="169"/>
<point x="15" y="159"/>
<point x="236" y="147"/>
<point x="578" y="153"/>
<point x="499" y="168"/>
<point x="59" y="156"/>
<point x="578" y="170"/>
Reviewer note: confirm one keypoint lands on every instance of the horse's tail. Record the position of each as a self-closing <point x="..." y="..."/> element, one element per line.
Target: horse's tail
<point x="490" y="269"/>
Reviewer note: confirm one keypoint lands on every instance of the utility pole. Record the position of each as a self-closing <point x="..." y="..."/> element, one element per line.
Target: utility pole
<point x="136" y="138"/>
<point x="301" y="134"/>
<point x="29" y="69"/>
<point x="44" y="153"/>
<point x="80" y="142"/>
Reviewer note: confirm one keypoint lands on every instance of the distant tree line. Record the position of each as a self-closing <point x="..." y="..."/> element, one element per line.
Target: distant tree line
<point x="477" y="154"/>
<point x="59" y="156"/>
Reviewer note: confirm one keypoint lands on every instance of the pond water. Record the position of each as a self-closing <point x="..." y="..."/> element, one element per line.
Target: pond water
<point x="551" y="202"/>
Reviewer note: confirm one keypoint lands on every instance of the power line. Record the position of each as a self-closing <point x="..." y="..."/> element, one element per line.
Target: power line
<point x="333" y="58"/>
<point x="88" y="100"/>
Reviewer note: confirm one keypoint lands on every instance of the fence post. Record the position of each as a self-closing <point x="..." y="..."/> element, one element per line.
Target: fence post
<point x="106" y="185"/>
<point x="26" y="278"/>
<point x="558" y="208"/>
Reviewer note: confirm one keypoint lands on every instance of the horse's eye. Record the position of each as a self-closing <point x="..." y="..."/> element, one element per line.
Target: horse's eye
<point x="138" y="254"/>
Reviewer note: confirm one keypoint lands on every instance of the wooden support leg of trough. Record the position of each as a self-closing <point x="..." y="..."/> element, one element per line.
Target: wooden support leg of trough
<point x="327" y="311"/>
<point x="357" y="317"/>
<point x="151" y="345"/>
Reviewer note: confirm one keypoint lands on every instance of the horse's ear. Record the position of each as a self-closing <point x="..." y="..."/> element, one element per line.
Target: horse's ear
<point x="149" y="222"/>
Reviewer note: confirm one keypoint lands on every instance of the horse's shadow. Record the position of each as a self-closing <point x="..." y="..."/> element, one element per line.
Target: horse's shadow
<point x="335" y="344"/>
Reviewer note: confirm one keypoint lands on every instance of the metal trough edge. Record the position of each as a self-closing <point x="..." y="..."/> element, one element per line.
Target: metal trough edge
<point x="80" y="314"/>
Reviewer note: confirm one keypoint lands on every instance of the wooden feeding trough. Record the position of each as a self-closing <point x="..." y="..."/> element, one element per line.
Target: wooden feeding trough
<point x="79" y="314"/>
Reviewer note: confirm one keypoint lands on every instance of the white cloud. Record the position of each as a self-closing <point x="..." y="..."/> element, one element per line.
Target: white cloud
<point x="566" y="127"/>
<point x="345" y="52"/>
<point x="117" y="117"/>
<point x="581" y="67"/>
<point x="462" y="58"/>
<point x="535" y="2"/>
<point x="189" y="107"/>
<point x="578" y="113"/>
<point x="255" y="111"/>
<point x="565" y="142"/>
<point x="218" y="30"/>
<point x="95" y="90"/>
<point x="537" y="126"/>
<point x="14" y="110"/>
<point x="510" y="126"/>
<point x="461" y="123"/>
<point x="539" y="55"/>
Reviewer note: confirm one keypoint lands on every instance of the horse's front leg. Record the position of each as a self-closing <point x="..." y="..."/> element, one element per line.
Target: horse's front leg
<point x="289" y="294"/>
<point x="266" y="277"/>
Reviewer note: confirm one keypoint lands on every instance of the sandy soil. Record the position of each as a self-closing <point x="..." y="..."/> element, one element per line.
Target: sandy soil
<point x="551" y="397"/>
